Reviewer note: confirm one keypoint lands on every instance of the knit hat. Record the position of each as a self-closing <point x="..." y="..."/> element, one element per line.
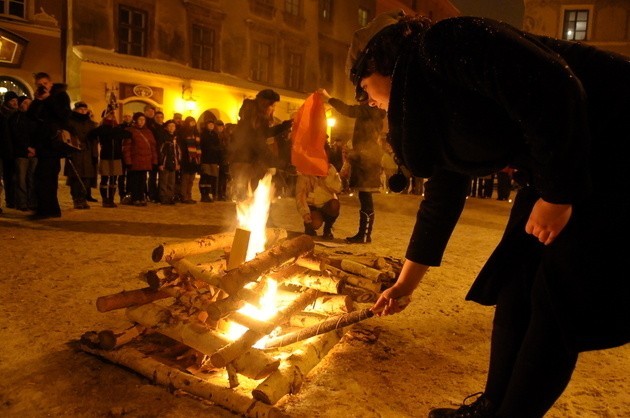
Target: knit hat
<point x="359" y="47"/>
<point x="268" y="94"/>
<point x="137" y="115"/>
<point x="219" y="122"/>
<point x="10" y="95"/>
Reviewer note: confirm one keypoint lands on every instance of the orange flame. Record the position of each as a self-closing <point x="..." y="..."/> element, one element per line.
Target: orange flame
<point x="252" y="215"/>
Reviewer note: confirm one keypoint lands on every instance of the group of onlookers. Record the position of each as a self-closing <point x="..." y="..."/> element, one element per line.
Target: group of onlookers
<point x="143" y="158"/>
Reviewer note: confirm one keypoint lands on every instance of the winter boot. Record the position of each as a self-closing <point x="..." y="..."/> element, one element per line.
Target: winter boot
<point x="309" y="230"/>
<point x="81" y="204"/>
<point x="364" y="236"/>
<point x="480" y="408"/>
<point x="328" y="235"/>
<point x="108" y="201"/>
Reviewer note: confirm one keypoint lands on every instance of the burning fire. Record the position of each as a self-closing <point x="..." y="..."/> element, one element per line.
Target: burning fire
<point x="252" y="215"/>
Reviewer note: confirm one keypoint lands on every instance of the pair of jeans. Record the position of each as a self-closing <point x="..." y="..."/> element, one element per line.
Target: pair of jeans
<point x="25" y="182"/>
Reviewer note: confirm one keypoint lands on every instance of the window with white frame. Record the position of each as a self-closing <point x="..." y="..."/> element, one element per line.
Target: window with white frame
<point x="293" y="71"/>
<point x="575" y="25"/>
<point x="203" y="47"/>
<point x="261" y="62"/>
<point x="132" y="31"/>
<point x="15" y="8"/>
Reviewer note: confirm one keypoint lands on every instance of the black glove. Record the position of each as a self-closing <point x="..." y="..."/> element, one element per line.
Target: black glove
<point x="287" y="124"/>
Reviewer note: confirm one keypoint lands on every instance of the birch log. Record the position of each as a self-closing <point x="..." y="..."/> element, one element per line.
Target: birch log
<point x="209" y="243"/>
<point x="253" y="363"/>
<point x="235" y="349"/>
<point x="331" y="305"/>
<point x="234" y="280"/>
<point x="289" y="377"/>
<point x="234" y="400"/>
<point x="128" y="298"/>
<point x="355" y="280"/>
<point x="110" y="339"/>
<point x="328" y="325"/>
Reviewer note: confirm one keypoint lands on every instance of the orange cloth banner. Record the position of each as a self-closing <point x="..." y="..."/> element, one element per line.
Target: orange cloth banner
<point x="308" y="137"/>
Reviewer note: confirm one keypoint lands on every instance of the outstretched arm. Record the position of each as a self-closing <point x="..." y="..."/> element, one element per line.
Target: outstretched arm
<point x="397" y="297"/>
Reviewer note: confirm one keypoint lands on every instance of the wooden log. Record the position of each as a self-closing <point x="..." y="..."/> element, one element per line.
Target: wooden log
<point x="234" y="280"/>
<point x="306" y="319"/>
<point x="286" y="271"/>
<point x="235" y="349"/>
<point x="362" y="270"/>
<point x="254" y="363"/>
<point x="160" y="277"/>
<point x="331" y="305"/>
<point x="159" y="373"/>
<point x="288" y="379"/>
<point x="251" y="323"/>
<point x="128" y="298"/>
<point x="223" y="307"/>
<point x="323" y="281"/>
<point x="328" y="325"/>
<point x="311" y="261"/>
<point x="209" y="276"/>
<point x="238" y="252"/>
<point x="355" y="280"/>
<point x="110" y="339"/>
<point x="209" y="243"/>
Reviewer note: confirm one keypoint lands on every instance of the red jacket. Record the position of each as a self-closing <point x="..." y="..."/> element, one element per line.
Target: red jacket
<point x="140" y="151"/>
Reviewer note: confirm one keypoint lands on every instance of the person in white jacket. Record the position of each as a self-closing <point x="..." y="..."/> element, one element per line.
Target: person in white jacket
<point x="317" y="201"/>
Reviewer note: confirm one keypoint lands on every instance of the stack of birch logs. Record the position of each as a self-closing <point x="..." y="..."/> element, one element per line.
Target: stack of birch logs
<point x="179" y="320"/>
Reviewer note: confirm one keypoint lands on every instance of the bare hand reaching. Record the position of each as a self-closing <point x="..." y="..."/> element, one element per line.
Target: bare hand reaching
<point x="547" y="220"/>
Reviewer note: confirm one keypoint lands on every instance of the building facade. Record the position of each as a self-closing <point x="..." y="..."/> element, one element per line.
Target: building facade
<point x="31" y="40"/>
<point x="195" y="57"/>
<point x="601" y="23"/>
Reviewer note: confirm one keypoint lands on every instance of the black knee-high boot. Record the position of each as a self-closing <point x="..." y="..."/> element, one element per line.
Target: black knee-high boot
<point x="364" y="236"/>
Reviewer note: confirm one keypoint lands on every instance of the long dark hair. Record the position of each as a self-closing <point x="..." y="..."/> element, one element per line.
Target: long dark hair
<point x="385" y="46"/>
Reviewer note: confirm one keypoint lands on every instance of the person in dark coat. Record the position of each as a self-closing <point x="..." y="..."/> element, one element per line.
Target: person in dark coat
<point x="250" y="155"/>
<point x="363" y="160"/>
<point x="468" y="96"/>
<point x="169" y="163"/>
<point x="21" y="132"/>
<point x="80" y="168"/>
<point x="110" y="138"/>
<point x="50" y="111"/>
<point x="211" y="158"/>
<point x="189" y="142"/>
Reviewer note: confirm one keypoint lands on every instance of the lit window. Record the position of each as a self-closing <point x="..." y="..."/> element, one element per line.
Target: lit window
<point x="293" y="72"/>
<point x="132" y="31"/>
<point x="203" y="41"/>
<point x="261" y="61"/>
<point x="325" y="10"/>
<point x="575" y="25"/>
<point x="12" y="8"/>
<point x="364" y="16"/>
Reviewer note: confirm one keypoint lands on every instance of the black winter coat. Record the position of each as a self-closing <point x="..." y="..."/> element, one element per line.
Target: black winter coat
<point x="50" y="115"/>
<point x="211" y="149"/>
<point x="21" y="130"/>
<point x="475" y="95"/>
<point x="110" y="139"/>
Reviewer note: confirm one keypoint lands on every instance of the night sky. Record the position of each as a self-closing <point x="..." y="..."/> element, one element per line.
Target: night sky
<point x="510" y="11"/>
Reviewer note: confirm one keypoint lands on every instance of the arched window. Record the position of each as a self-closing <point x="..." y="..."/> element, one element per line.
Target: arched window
<point x="11" y="84"/>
